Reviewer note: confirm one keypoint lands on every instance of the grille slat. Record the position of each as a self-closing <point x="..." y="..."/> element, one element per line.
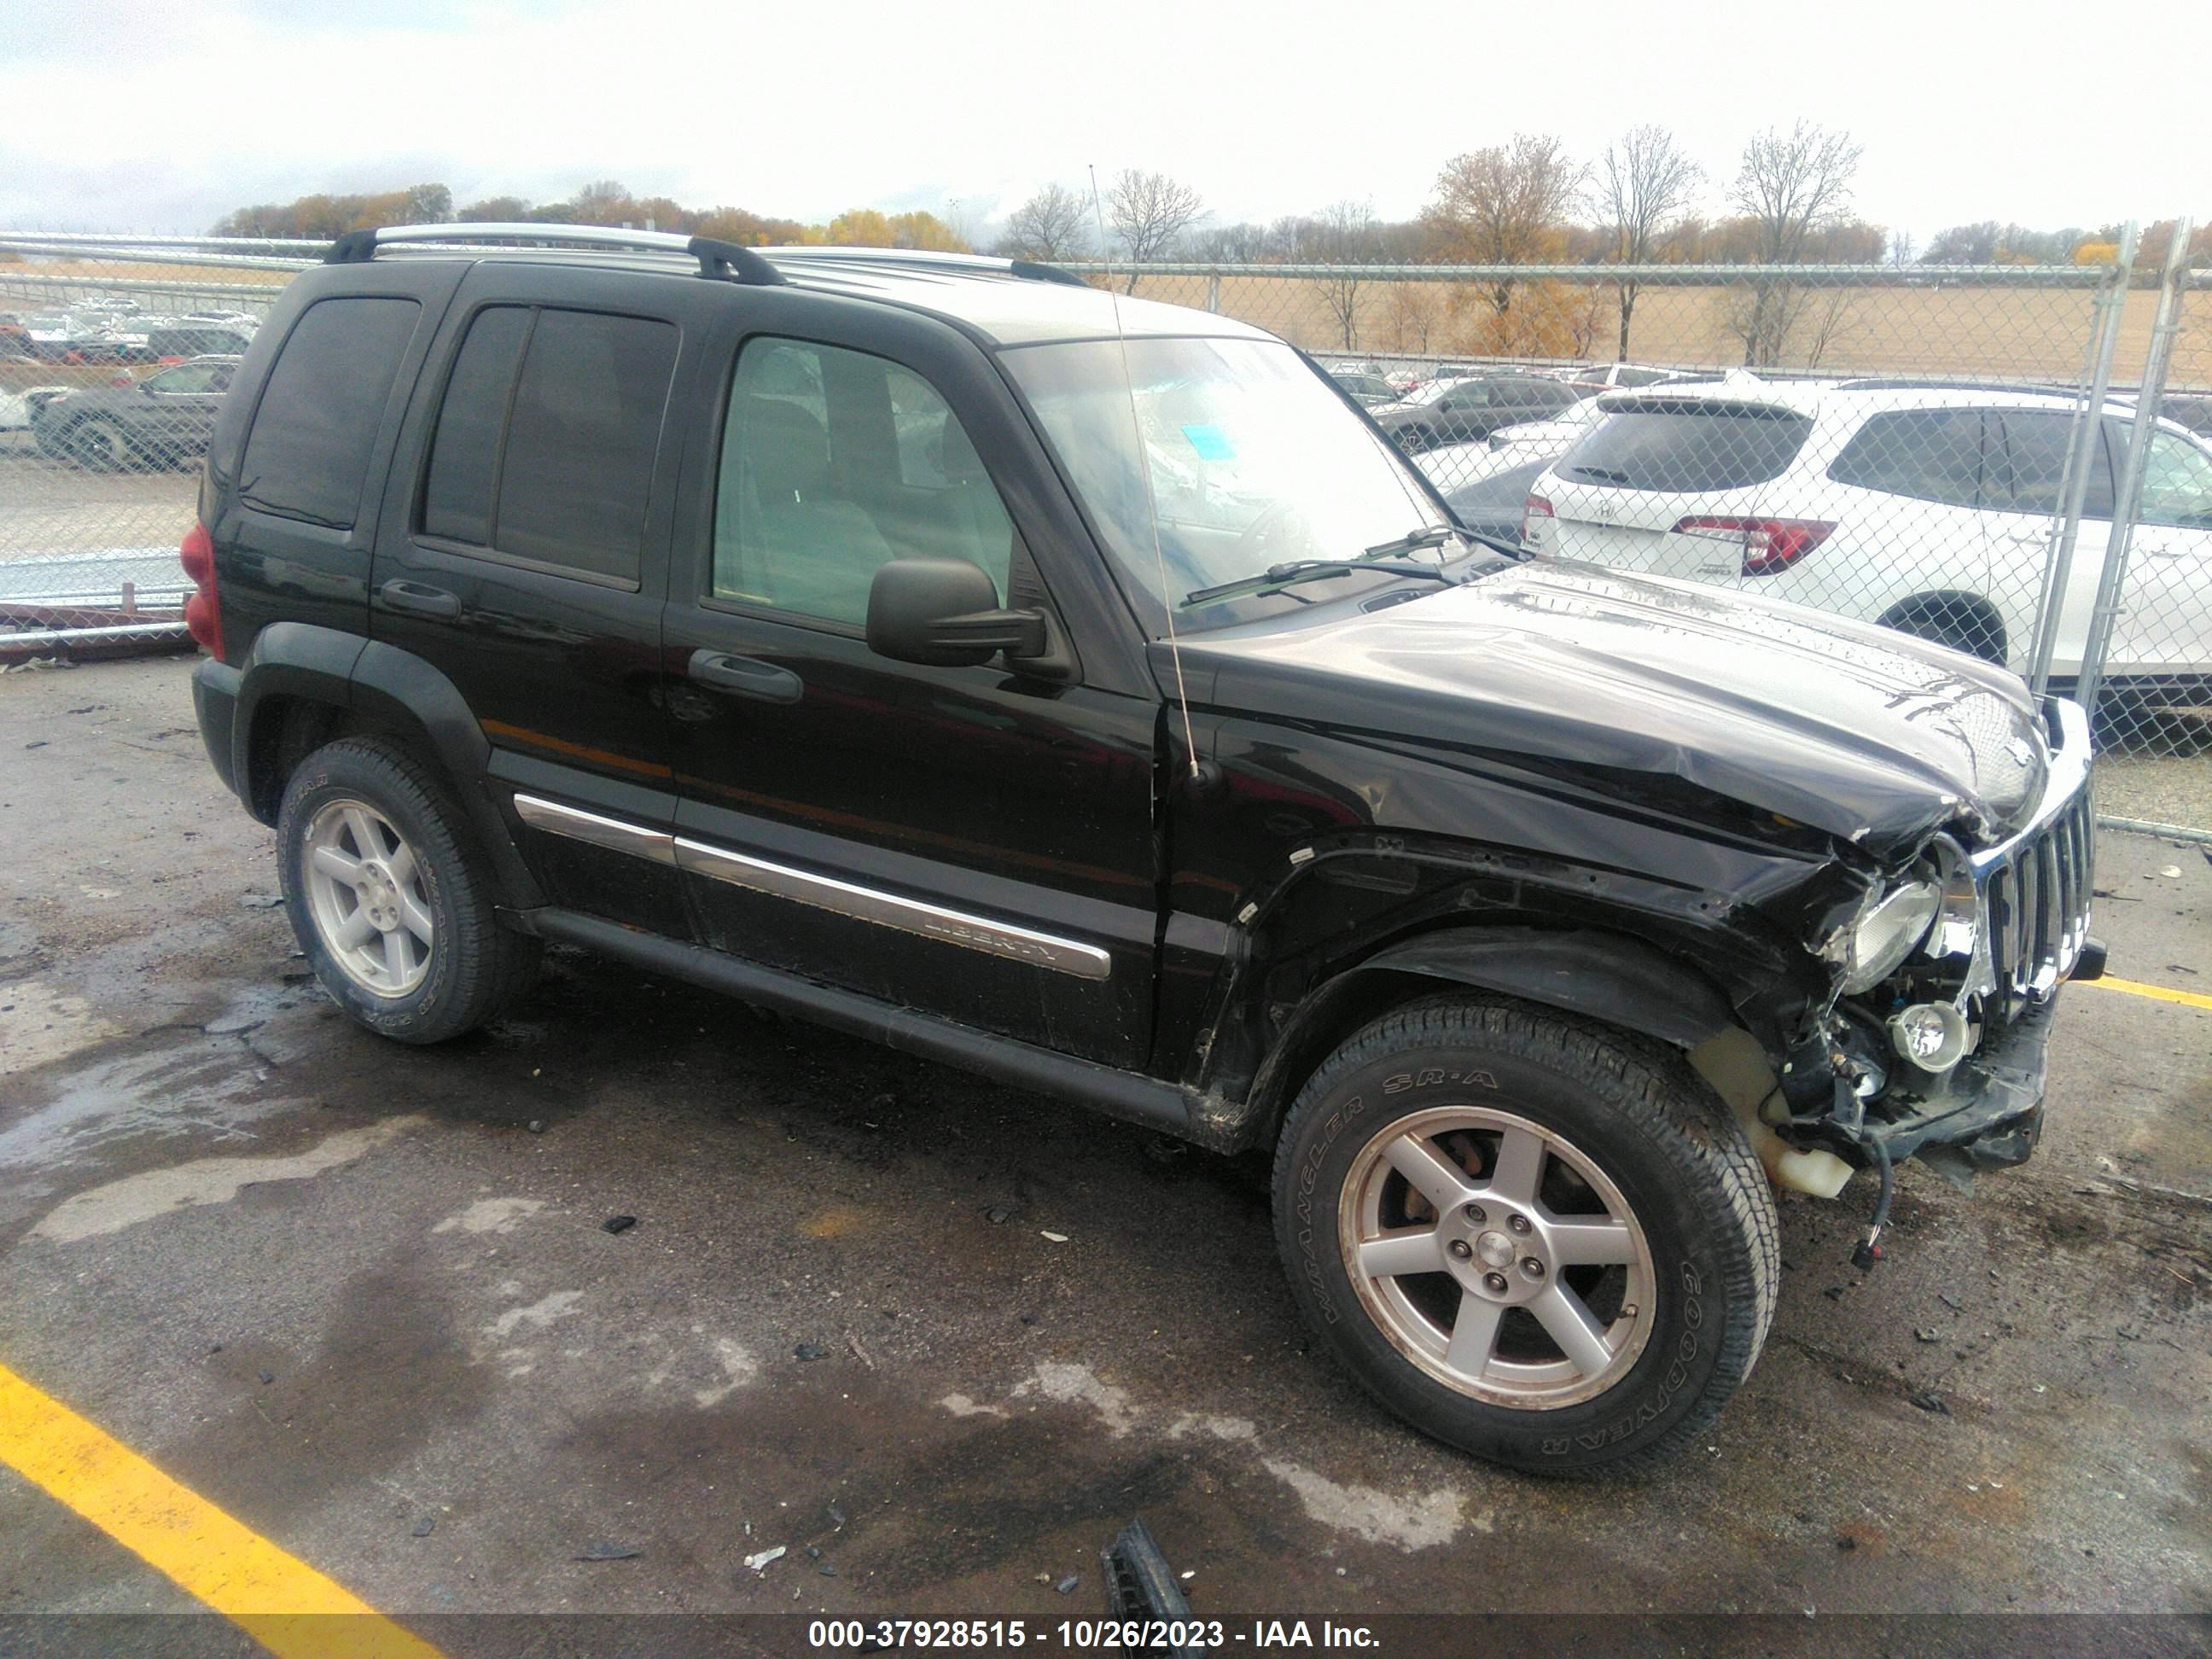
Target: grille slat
<point x="2037" y="898"/>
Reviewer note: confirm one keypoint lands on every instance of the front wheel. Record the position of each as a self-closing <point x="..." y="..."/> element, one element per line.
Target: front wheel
<point x="1532" y="1237"/>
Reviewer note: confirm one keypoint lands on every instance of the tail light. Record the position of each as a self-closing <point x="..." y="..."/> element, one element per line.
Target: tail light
<point x="202" y="614"/>
<point x="1534" y="512"/>
<point x="1770" y="545"/>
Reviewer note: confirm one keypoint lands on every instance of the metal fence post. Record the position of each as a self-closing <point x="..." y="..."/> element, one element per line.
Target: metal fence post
<point x="1213" y="294"/>
<point x="2074" y="487"/>
<point x="2128" y="494"/>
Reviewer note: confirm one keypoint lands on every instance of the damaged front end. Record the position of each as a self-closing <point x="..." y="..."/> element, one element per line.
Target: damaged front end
<point x="1945" y="979"/>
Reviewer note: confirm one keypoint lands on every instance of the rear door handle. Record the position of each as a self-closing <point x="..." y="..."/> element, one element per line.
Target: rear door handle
<point x="748" y="677"/>
<point x="422" y="600"/>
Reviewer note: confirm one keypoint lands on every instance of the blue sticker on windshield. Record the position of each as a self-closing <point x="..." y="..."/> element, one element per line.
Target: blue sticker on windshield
<point x="1211" y="442"/>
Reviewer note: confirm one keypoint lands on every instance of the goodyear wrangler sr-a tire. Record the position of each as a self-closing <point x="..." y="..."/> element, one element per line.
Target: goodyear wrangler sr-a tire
<point x="1535" y="1238"/>
<point x="389" y="897"/>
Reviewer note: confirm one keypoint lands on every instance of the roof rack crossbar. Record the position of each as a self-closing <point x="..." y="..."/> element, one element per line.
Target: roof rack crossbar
<point x="726" y="260"/>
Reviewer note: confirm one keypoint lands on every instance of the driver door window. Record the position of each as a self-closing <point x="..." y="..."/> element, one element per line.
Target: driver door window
<point x="833" y="463"/>
<point x="2177" y="484"/>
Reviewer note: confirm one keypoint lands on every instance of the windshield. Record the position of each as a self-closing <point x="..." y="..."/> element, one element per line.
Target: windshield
<point x="1253" y="461"/>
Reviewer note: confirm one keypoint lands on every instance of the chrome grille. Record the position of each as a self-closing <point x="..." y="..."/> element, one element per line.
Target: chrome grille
<point x="2038" y="887"/>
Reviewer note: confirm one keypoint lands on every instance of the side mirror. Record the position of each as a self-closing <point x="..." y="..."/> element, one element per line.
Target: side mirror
<point x="946" y="613"/>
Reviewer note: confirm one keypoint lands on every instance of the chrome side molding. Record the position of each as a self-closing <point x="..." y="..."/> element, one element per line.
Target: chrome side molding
<point x="610" y="832"/>
<point x="997" y="939"/>
<point x="844" y="898"/>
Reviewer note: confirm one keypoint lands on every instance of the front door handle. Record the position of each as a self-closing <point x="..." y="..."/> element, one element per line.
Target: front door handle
<point x="748" y="677"/>
<point x="419" y="599"/>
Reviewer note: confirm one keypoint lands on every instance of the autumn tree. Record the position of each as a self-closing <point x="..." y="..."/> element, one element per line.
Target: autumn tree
<point x="1148" y="211"/>
<point x="1506" y="205"/>
<point x="1052" y="224"/>
<point x="495" y="210"/>
<point x="1791" y="187"/>
<point x="1646" y="187"/>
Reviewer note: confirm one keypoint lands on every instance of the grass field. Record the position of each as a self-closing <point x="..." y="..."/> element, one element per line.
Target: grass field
<point x="1959" y="330"/>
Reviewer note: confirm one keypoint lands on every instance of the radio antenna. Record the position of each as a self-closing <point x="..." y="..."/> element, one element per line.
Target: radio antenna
<point x="1145" y="470"/>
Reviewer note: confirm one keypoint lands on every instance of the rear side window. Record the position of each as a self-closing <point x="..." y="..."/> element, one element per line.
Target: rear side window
<point x="2035" y="454"/>
<point x="1929" y="454"/>
<point x="307" y="456"/>
<point x="1688" y="449"/>
<point x="464" y="459"/>
<point x="547" y="438"/>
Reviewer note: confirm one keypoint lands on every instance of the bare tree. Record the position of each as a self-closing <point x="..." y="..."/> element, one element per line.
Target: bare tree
<point x="1149" y="210"/>
<point x="1508" y="204"/>
<point x="1345" y="236"/>
<point x="1645" y="188"/>
<point x="1902" y="249"/>
<point x="1790" y="186"/>
<point x="1052" y="224"/>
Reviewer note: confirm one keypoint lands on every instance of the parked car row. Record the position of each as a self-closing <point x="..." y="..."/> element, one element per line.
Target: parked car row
<point x="92" y="333"/>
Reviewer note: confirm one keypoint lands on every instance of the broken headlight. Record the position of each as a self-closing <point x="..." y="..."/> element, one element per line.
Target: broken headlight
<point x="1886" y="931"/>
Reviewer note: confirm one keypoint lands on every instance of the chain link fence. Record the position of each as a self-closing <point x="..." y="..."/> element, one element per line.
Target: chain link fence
<point x="1940" y="450"/>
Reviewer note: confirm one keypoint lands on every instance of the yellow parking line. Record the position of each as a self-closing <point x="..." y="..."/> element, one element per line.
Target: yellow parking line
<point x="277" y="1598"/>
<point x="2159" y="993"/>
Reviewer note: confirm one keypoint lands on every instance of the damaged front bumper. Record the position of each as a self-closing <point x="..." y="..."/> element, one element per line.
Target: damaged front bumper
<point x="1988" y="1109"/>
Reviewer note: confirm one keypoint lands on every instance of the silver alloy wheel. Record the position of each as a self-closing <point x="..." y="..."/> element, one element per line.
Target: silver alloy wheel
<point x="1448" y="1235"/>
<point x="367" y="895"/>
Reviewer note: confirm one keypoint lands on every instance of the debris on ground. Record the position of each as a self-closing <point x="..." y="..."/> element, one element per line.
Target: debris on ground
<point x="1927" y="1333"/>
<point x="538" y="1126"/>
<point x="618" y="1224"/>
<point x="998" y="1215"/>
<point x="1139" y="1583"/>
<point x="762" y="1562"/>
<point x="605" y="1551"/>
<point x="1069" y="1582"/>
<point x="836" y="1516"/>
<point x="1057" y="1238"/>
<point x="266" y="1377"/>
<point x="424" y="1527"/>
<point x="1929" y="1402"/>
<point x="260" y="902"/>
<point x="810" y="1351"/>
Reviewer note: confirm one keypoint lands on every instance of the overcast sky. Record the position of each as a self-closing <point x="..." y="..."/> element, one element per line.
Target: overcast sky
<point x="157" y="116"/>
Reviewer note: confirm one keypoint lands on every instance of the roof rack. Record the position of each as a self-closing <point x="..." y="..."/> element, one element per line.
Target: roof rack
<point x="724" y="260"/>
<point x="922" y="259"/>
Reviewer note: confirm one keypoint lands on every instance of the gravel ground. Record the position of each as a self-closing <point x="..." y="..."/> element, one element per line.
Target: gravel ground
<point x="343" y="1289"/>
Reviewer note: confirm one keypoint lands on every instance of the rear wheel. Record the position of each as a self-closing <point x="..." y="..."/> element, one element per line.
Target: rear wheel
<point x="1958" y="623"/>
<point x="1533" y="1238"/>
<point x="389" y="898"/>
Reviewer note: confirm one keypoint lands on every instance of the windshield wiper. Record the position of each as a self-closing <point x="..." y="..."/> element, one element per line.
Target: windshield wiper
<point x="1280" y="576"/>
<point x="1598" y="472"/>
<point x="1429" y="535"/>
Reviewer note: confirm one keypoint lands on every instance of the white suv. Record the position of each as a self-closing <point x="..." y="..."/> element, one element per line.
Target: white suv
<point x="1929" y="510"/>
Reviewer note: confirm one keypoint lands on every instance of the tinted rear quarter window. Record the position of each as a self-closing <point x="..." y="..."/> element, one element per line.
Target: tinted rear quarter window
<point x="1689" y="448"/>
<point x="1929" y="454"/>
<point x="307" y="455"/>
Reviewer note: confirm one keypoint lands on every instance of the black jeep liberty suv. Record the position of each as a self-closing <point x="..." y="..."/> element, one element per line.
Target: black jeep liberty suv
<point x="1082" y="691"/>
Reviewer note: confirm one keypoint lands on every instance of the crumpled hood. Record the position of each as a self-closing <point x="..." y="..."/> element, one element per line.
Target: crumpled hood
<point x="1859" y="731"/>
